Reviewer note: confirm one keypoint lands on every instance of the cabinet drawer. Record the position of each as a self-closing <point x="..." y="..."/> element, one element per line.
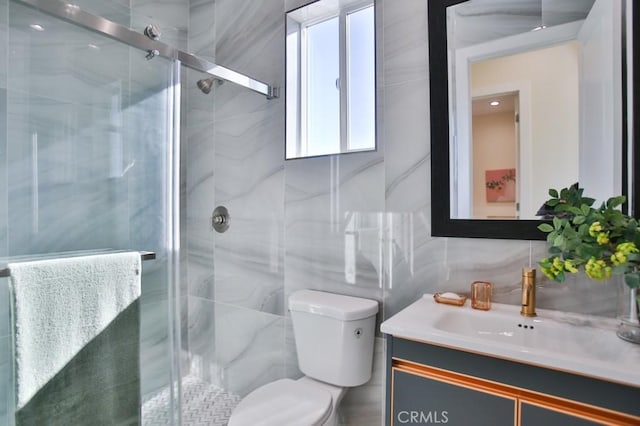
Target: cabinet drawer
<point x="586" y="390"/>
<point x="536" y="415"/>
<point x="418" y="399"/>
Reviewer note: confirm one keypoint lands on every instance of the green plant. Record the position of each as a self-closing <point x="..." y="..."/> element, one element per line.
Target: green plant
<point x="601" y="241"/>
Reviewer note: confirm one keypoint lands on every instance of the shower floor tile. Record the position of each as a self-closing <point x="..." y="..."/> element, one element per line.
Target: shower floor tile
<point x="203" y="404"/>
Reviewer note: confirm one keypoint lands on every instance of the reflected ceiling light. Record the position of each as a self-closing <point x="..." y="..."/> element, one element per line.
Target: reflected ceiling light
<point x="494" y="103"/>
<point x="93" y="46"/>
<point x="36" y="27"/>
<point x="541" y="27"/>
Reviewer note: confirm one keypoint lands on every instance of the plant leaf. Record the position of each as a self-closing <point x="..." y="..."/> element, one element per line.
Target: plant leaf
<point x="579" y="219"/>
<point x="545" y="227"/>
<point x="632" y="280"/>
<point x="614" y="202"/>
<point x="557" y="223"/>
<point x="560" y="241"/>
<point x="554" y="250"/>
<point x="634" y="257"/>
<point x="620" y="269"/>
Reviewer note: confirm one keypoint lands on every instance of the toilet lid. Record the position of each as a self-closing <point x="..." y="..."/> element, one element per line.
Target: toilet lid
<point x="282" y="403"/>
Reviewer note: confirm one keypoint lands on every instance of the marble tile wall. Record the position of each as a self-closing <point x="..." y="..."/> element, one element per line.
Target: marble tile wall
<point x="235" y="160"/>
<point x="417" y="262"/>
<point x="199" y="193"/>
<point x="354" y="224"/>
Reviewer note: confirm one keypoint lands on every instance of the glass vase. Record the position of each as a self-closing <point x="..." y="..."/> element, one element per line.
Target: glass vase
<point x="629" y="328"/>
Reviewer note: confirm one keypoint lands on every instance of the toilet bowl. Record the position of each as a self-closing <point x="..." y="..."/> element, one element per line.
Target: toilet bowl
<point x="290" y="402"/>
<point x="334" y="341"/>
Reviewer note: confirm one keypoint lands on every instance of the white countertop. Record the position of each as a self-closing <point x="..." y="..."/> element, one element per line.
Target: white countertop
<point x="575" y="343"/>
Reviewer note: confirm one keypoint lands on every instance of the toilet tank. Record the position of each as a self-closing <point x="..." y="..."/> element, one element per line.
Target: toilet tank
<point x="334" y="336"/>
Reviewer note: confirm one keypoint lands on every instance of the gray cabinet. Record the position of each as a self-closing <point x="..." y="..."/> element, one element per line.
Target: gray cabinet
<point x="535" y="415"/>
<point x="423" y="400"/>
<point x="429" y="384"/>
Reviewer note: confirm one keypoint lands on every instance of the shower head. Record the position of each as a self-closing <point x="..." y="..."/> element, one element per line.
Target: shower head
<point x="206" y="84"/>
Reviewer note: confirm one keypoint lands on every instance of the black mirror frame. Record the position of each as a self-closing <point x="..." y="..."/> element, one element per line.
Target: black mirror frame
<point x="442" y="225"/>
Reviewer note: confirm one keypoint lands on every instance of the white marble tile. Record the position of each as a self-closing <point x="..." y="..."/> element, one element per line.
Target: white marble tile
<point x="199" y="157"/>
<point x="292" y="370"/>
<point x="405" y="108"/>
<point x="199" y="266"/>
<point x="236" y="348"/>
<point x="403" y="41"/>
<point x="407" y="147"/>
<point x="249" y="181"/>
<point x="248" y="257"/>
<point x="202" y="28"/>
<point x="414" y="261"/>
<point x="246" y="30"/>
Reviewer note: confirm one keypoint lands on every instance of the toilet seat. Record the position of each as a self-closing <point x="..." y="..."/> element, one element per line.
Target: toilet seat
<point x="282" y="403"/>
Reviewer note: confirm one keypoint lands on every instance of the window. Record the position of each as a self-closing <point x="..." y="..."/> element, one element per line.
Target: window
<point x="330" y="91"/>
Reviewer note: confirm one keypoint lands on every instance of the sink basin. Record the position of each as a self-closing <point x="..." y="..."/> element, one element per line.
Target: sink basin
<point x="533" y="333"/>
<point x="581" y="344"/>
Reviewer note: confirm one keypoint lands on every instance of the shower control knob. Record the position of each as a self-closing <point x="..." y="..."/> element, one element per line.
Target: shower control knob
<point x="220" y="219"/>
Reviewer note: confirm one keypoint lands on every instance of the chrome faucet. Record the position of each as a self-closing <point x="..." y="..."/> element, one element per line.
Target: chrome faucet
<point x="528" y="292"/>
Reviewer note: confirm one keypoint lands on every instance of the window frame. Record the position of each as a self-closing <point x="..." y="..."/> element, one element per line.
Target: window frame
<point x="301" y="143"/>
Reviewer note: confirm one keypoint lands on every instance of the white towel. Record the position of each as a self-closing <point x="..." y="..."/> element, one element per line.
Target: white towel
<point x="60" y="305"/>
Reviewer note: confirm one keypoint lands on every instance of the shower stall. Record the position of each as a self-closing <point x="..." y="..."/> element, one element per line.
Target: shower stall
<point x="90" y="161"/>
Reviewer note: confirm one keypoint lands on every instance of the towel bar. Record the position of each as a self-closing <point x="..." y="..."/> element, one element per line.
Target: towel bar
<point x="144" y="255"/>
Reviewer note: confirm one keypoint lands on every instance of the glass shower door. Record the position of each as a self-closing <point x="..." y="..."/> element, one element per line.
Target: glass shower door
<point x="90" y="164"/>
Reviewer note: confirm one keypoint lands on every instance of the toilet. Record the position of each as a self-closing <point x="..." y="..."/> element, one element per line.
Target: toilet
<point x="334" y="337"/>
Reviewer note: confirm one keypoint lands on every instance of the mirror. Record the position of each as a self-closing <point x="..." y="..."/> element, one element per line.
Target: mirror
<point x="525" y="97"/>
<point x="330" y="78"/>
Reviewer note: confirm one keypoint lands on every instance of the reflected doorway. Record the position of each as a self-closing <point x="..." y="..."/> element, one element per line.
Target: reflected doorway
<point x="496" y="150"/>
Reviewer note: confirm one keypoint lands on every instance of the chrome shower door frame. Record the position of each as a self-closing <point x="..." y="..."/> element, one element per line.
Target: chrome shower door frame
<point x="73" y="14"/>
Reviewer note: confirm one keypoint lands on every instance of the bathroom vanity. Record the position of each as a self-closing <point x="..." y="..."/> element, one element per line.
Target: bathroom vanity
<point x="458" y="366"/>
